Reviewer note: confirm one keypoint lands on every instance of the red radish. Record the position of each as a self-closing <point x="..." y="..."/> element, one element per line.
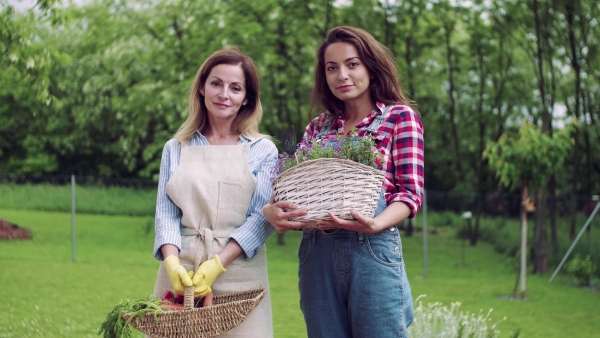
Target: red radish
<point x="168" y="296"/>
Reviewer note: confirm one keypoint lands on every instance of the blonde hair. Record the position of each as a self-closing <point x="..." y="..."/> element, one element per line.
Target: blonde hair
<point x="248" y="117"/>
<point x="385" y="85"/>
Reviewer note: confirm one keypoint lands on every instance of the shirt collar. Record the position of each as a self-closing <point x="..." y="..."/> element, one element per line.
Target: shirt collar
<point x="242" y="138"/>
<point x="380" y="108"/>
<point x="245" y="139"/>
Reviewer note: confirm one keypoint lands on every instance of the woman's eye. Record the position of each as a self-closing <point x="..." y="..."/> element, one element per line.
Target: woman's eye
<point x="353" y="64"/>
<point x="330" y="68"/>
<point x="236" y="89"/>
<point x="214" y="83"/>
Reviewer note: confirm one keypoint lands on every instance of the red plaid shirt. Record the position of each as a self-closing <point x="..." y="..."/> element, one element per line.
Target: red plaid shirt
<point x="400" y="140"/>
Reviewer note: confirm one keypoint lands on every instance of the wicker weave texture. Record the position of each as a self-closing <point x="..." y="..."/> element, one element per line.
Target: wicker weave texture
<point x="227" y="312"/>
<point x="330" y="185"/>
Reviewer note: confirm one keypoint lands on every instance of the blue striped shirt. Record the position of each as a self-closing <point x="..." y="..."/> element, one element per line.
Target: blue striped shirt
<point x="253" y="233"/>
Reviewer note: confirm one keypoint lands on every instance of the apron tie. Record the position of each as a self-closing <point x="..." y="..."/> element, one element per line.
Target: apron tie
<point x="207" y="235"/>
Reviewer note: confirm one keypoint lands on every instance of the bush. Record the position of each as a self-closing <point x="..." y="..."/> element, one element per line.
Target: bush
<point x="581" y="269"/>
<point x="436" y="320"/>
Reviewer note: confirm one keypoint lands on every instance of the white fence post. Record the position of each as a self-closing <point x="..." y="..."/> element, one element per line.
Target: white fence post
<point x="73" y="256"/>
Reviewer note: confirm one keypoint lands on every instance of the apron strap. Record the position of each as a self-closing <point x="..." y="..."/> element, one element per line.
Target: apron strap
<point x="184" y="148"/>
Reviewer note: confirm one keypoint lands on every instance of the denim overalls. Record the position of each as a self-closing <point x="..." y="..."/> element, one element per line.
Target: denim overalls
<point x="354" y="284"/>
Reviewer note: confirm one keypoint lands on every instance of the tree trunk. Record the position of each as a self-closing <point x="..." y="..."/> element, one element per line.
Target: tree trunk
<point x="541" y="233"/>
<point x="408" y="231"/>
<point x="576" y="65"/>
<point x="573" y="202"/>
<point x="448" y="28"/>
<point x="552" y="205"/>
<point x="542" y="51"/>
<point x="523" y="264"/>
<point x="481" y="143"/>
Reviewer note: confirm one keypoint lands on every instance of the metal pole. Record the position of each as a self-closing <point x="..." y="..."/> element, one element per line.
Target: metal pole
<point x="575" y="242"/>
<point x="425" y="233"/>
<point x="73" y="217"/>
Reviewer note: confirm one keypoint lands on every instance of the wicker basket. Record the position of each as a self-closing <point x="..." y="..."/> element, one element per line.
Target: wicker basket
<point x="329" y="185"/>
<point x="227" y="312"/>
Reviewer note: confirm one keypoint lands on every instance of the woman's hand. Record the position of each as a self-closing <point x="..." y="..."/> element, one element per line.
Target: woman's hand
<point x="177" y="274"/>
<point x="360" y="223"/>
<point x="276" y="214"/>
<point x="391" y="215"/>
<point x="205" y="276"/>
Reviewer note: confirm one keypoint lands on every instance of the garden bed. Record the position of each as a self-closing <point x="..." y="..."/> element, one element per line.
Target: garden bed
<point x="12" y="231"/>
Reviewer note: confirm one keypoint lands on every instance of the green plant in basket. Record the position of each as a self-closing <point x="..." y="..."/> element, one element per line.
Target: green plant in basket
<point x="350" y="147"/>
<point x="116" y="327"/>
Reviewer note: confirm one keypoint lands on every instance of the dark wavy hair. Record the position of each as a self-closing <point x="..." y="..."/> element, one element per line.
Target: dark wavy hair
<point x="385" y="83"/>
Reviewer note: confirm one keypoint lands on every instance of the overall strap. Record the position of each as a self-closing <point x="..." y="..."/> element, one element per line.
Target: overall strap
<point x="378" y="120"/>
<point x="326" y="128"/>
<point x="372" y="128"/>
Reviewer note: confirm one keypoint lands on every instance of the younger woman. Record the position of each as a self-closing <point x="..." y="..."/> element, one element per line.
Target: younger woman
<point x="352" y="279"/>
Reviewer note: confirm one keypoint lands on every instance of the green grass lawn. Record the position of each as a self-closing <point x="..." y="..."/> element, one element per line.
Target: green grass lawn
<point x="46" y="294"/>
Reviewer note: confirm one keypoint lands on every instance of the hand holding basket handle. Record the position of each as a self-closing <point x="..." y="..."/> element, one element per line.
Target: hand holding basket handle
<point x="206" y="275"/>
<point x="177" y="274"/>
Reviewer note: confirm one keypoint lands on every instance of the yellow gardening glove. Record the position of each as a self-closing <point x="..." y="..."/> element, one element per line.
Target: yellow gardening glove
<point x="206" y="275"/>
<point x="177" y="274"/>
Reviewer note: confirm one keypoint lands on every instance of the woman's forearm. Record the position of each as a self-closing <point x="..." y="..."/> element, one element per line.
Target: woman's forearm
<point x="393" y="214"/>
<point x="231" y="251"/>
<point x="169" y="250"/>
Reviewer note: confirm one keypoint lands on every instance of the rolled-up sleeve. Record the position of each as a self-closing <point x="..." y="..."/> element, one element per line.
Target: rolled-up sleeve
<point x="256" y="230"/>
<point x="408" y="161"/>
<point x="168" y="216"/>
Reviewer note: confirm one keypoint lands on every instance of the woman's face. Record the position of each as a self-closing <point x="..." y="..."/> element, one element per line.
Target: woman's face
<point x="346" y="74"/>
<point x="224" y="91"/>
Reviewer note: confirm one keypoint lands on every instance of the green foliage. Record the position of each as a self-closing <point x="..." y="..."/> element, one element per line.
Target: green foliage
<point x="581" y="269"/>
<point x="530" y="155"/>
<point x="349" y="147"/>
<point x="114" y="326"/>
<point x="25" y="77"/>
<point x="88" y="199"/>
<point x="437" y="320"/>
<point x="98" y="88"/>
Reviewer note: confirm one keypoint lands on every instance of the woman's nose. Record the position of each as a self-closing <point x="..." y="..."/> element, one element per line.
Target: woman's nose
<point x="224" y="93"/>
<point x="343" y="74"/>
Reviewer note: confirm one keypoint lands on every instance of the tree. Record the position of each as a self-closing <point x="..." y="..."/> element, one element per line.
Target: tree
<point x="25" y="65"/>
<point x="527" y="160"/>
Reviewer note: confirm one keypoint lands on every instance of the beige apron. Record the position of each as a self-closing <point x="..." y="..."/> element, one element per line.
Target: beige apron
<point x="213" y="187"/>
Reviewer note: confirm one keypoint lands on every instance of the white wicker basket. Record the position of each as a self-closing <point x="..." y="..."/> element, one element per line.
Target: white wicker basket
<point x="329" y="185"/>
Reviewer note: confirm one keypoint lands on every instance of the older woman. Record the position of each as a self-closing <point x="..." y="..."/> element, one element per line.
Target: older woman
<point x="214" y="181"/>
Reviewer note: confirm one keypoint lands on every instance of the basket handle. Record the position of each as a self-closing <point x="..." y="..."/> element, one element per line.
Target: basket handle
<point x="188" y="298"/>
